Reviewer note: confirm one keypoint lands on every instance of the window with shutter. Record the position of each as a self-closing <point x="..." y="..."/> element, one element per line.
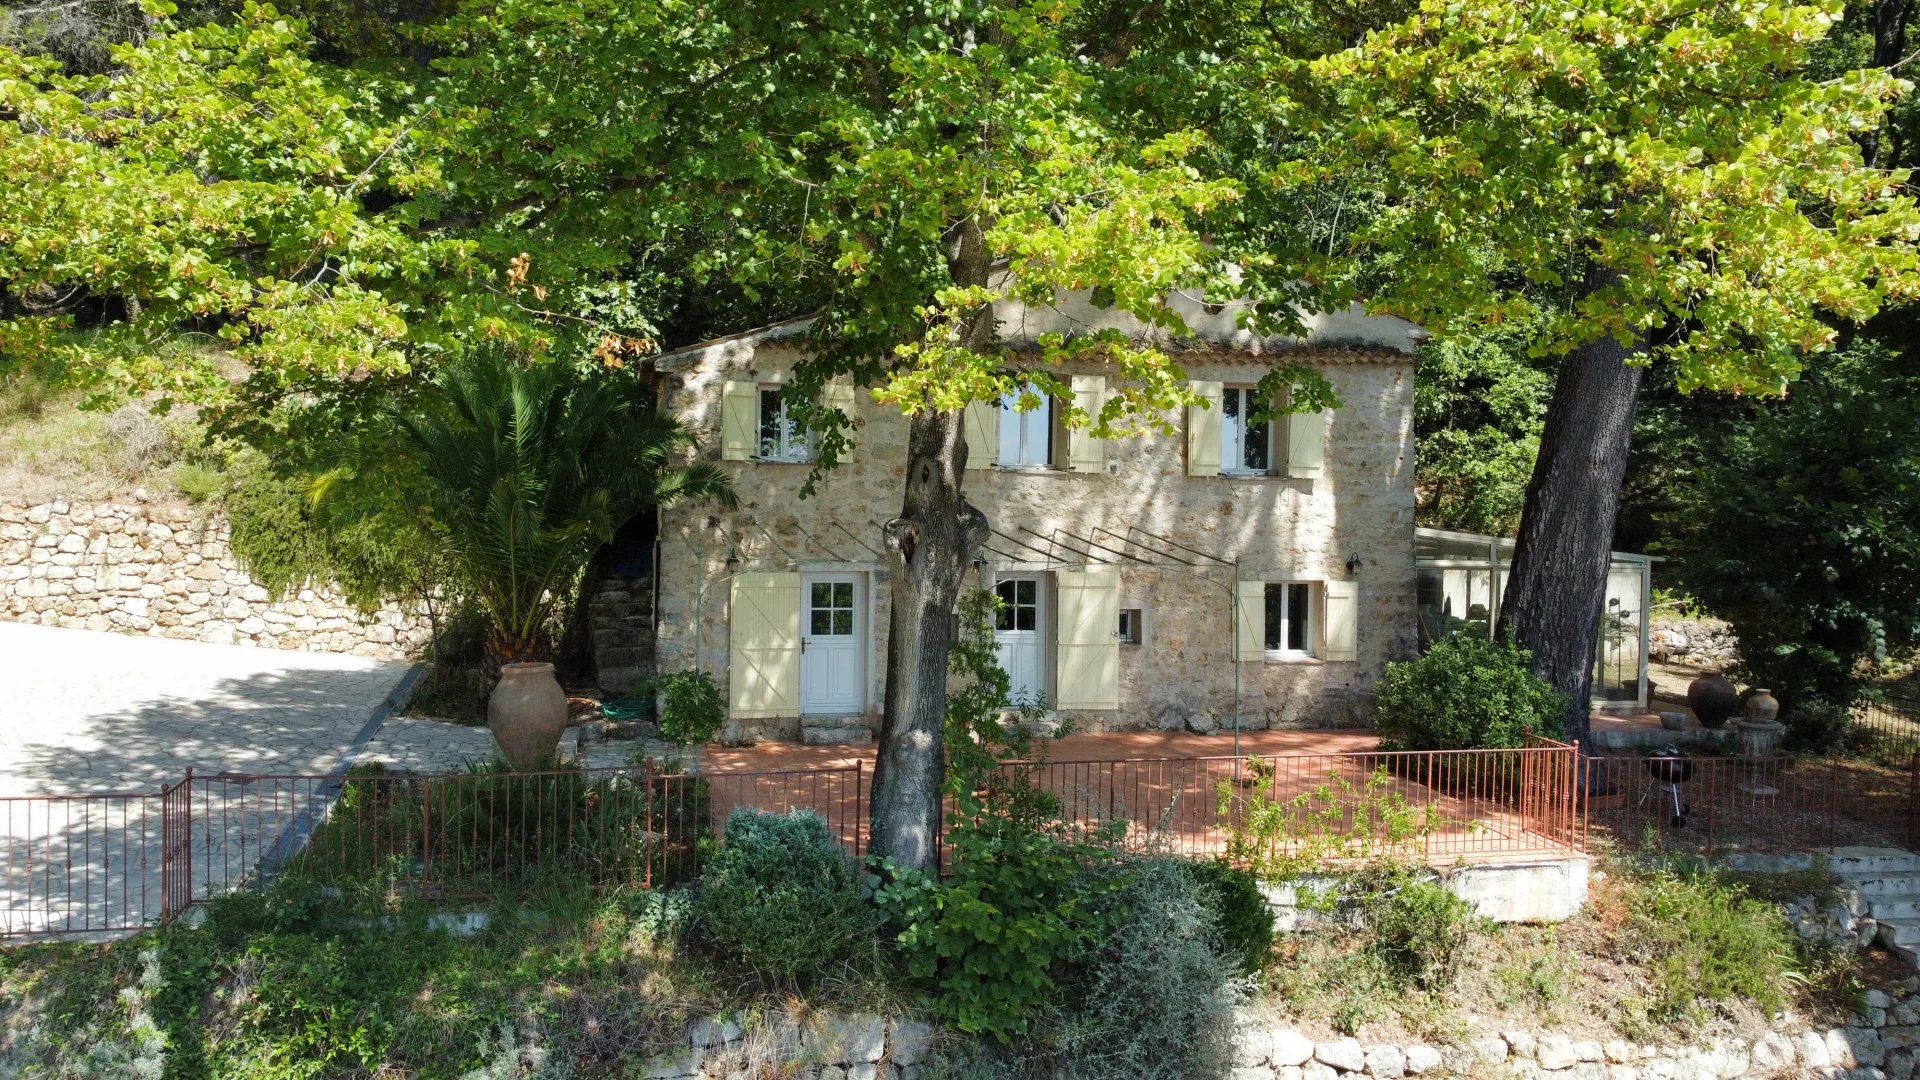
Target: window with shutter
<point x="1086" y="454"/>
<point x="1249" y="620"/>
<point x="1025" y="433"/>
<point x="1203" y="430"/>
<point x="781" y="436"/>
<point x="1342" y="621"/>
<point x="739" y="420"/>
<point x="763" y="645"/>
<point x="845" y="397"/>
<point x="1087" y="649"/>
<point x="981" y="420"/>
<point x="1306" y="443"/>
<point x="1287" y="628"/>
<point x="1246" y="444"/>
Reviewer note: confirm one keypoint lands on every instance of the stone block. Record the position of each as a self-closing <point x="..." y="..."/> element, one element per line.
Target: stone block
<point x="1422" y="1059"/>
<point x="1388" y="1062"/>
<point x="1555" y="1052"/>
<point x="1343" y="1054"/>
<point x="1288" y="1047"/>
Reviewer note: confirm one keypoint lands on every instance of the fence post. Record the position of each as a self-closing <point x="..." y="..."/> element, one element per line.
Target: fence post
<point x="176" y="847"/>
<point x="426" y="836"/>
<point x="860" y="818"/>
<point x="646" y="826"/>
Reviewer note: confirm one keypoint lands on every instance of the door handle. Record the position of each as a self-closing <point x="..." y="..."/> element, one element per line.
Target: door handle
<point x="803" y="645"/>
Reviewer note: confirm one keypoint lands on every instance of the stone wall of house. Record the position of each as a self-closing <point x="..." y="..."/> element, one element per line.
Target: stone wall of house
<point x="167" y="571"/>
<point x="1184" y="674"/>
<point x="620" y="624"/>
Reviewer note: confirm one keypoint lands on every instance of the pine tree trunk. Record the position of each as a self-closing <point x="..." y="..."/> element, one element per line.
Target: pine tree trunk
<point x="1558" y="582"/>
<point x="929" y="547"/>
<point x="1889" y="47"/>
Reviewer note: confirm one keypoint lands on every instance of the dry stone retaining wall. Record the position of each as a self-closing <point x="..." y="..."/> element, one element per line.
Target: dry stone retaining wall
<point x="165" y="571"/>
<point x="869" y="1047"/>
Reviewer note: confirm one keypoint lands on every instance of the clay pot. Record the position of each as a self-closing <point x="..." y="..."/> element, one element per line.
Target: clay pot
<point x="1762" y="705"/>
<point x="1713" y="699"/>
<point x="1673" y="721"/>
<point x="527" y="714"/>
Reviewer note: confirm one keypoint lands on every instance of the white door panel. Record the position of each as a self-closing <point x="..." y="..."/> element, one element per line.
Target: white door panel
<point x="833" y="645"/>
<point x="1018" y="633"/>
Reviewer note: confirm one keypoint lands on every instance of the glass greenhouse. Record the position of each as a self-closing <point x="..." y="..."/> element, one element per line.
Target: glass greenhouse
<point x="1461" y="577"/>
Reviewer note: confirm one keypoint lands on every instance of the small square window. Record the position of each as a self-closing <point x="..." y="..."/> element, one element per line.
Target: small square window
<point x="1132" y="628"/>
<point x="1246" y="445"/>
<point x="1026" y="435"/>
<point x="1289" y="619"/>
<point x="781" y="436"/>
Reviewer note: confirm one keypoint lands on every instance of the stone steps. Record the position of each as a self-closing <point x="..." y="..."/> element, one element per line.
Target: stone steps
<point x="1894" y="906"/>
<point x="848" y="732"/>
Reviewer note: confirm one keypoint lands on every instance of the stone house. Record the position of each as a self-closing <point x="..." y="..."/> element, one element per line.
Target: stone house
<point x="1229" y="571"/>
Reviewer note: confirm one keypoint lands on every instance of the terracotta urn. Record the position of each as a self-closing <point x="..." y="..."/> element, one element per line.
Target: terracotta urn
<point x="1713" y="699"/>
<point x="527" y="714"/>
<point x="1762" y="705"/>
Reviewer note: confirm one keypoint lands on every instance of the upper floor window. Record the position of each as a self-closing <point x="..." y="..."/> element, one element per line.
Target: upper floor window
<point x="1289" y="618"/>
<point x="1026" y="436"/>
<point x="1246" y="446"/>
<point x="781" y="436"/>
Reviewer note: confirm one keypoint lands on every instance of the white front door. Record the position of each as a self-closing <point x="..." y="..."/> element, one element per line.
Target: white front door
<point x="833" y="645"/>
<point x="1017" y="633"/>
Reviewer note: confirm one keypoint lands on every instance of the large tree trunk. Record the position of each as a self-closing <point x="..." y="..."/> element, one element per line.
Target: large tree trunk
<point x="1559" y="578"/>
<point x="1889" y="48"/>
<point x="929" y="547"/>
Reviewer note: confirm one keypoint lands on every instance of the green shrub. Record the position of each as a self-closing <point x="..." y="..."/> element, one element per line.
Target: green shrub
<point x="692" y="709"/>
<point x="784" y="896"/>
<point x="1705" y="939"/>
<point x="1466" y="693"/>
<point x="1419" y="929"/>
<point x="1021" y="905"/>
<point x="1150" y="1001"/>
<point x="1240" y="912"/>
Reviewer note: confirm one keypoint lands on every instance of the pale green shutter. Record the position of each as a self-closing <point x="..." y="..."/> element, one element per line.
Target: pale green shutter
<point x="763" y="645"/>
<point x="1085" y="453"/>
<point x="982" y="420"/>
<point x="1306" y="443"/>
<point x="1087" y="650"/>
<point x="739" y="420"/>
<point x="1342" y="620"/>
<point x="845" y="397"/>
<point x="1203" y="430"/>
<point x="1250" y="620"/>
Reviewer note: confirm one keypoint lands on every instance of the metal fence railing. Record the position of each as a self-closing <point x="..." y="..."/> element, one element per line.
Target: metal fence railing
<point x="1436" y="806"/>
<point x="1720" y="805"/>
<point x="1890" y="724"/>
<point x="113" y="862"/>
<point x="80" y="863"/>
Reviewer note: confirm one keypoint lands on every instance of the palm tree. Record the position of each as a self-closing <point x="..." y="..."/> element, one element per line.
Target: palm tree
<point x="530" y="468"/>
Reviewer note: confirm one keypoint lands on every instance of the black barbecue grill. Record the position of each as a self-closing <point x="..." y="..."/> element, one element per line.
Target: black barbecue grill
<point x="1670" y="769"/>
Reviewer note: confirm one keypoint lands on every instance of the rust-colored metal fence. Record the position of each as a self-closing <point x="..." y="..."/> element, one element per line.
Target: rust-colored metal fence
<point x="81" y="863"/>
<point x="1890" y="725"/>
<point x="122" y="861"/>
<point x="1722" y="805"/>
<point x="1438" y="806"/>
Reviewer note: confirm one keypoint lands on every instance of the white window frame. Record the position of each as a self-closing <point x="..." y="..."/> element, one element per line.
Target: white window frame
<point x="1137" y="616"/>
<point x="792" y="443"/>
<point x="1233" y="426"/>
<point x="1286" y="591"/>
<point x="1026" y="425"/>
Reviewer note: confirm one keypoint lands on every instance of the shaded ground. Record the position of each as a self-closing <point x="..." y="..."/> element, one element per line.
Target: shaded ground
<point x="97" y="723"/>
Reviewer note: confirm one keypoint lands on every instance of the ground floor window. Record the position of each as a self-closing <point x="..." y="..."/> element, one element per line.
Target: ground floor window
<point x="1289" y="613"/>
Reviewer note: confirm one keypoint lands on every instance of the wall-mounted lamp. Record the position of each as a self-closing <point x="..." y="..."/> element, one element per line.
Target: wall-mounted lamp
<point x="733" y="559"/>
<point x="1354" y="563"/>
